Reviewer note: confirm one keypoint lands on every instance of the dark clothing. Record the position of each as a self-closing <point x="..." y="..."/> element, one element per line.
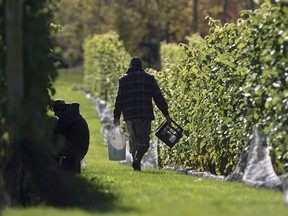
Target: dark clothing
<point x="71" y="164"/>
<point x="139" y="134"/>
<point x="75" y="130"/>
<point x="135" y="93"/>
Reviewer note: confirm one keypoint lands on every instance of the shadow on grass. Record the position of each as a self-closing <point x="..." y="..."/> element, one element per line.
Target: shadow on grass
<point x="44" y="182"/>
<point x="74" y="191"/>
<point x="91" y="195"/>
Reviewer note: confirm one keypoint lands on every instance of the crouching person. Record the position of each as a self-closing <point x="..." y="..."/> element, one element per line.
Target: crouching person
<point x="74" y="129"/>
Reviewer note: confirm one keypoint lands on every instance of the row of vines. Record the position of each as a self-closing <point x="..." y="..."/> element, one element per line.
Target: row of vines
<point x="218" y="88"/>
<point x="105" y="61"/>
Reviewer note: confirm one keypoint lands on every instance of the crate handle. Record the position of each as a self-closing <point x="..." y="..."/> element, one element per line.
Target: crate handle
<point x="180" y="129"/>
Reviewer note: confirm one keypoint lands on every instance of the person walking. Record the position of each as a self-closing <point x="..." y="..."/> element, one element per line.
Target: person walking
<point x="136" y="90"/>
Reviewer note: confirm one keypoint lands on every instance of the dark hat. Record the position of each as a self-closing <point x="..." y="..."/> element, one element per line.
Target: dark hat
<point x="136" y="62"/>
<point x="59" y="105"/>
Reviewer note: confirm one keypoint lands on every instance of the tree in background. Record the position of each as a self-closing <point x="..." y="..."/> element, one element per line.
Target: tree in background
<point x="142" y="25"/>
<point x="81" y="19"/>
<point x="195" y="16"/>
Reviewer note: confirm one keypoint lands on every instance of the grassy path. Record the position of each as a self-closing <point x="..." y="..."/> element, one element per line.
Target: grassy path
<point x="152" y="191"/>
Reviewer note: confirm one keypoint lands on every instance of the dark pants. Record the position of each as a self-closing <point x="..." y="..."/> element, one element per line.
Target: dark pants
<point x="71" y="164"/>
<point x="139" y="134"/>
<point x="70" y="158"/>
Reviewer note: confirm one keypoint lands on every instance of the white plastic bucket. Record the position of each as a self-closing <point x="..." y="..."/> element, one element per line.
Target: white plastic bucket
<point x="116" y="145"/>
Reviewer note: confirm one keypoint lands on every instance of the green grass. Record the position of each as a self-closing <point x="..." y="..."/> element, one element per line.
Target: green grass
<point x="152" y="191"/>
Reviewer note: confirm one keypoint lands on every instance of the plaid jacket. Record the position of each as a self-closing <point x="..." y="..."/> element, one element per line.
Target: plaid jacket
<point x="136" y="90"/>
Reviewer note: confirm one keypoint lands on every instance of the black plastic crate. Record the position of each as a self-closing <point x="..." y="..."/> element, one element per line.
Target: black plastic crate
<point x="169" y="133"/>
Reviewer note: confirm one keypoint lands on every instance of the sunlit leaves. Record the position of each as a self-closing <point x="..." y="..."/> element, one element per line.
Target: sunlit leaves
<point x="105" y="61"/>
<point x="233" y="81"/>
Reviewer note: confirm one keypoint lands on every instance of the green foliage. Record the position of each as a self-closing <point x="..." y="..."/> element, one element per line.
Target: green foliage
<point x="105" y="60"/>
<point x="80" y="19"/>
<point x="236" y="80"/>
<point x="195" y="41"/>
<point x="171" y="53"/>
<point x="39" y="72"/>
<point x="35" y="127"/>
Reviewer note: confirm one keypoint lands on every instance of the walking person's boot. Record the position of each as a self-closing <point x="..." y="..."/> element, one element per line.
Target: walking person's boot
<point x="138" y="157"/>
<point x="133" y="155"/>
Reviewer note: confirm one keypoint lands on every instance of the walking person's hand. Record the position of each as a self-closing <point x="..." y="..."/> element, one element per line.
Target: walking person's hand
<point x="168" y="119"/>
<point x="116" y="122"/>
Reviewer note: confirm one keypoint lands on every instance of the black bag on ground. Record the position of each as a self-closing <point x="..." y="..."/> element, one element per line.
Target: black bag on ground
<point x="169" y="133"/>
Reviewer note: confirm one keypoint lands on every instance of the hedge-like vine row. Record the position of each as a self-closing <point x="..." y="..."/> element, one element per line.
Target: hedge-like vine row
<point x="221" y="90"/>
<point x="105" y="61"/>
